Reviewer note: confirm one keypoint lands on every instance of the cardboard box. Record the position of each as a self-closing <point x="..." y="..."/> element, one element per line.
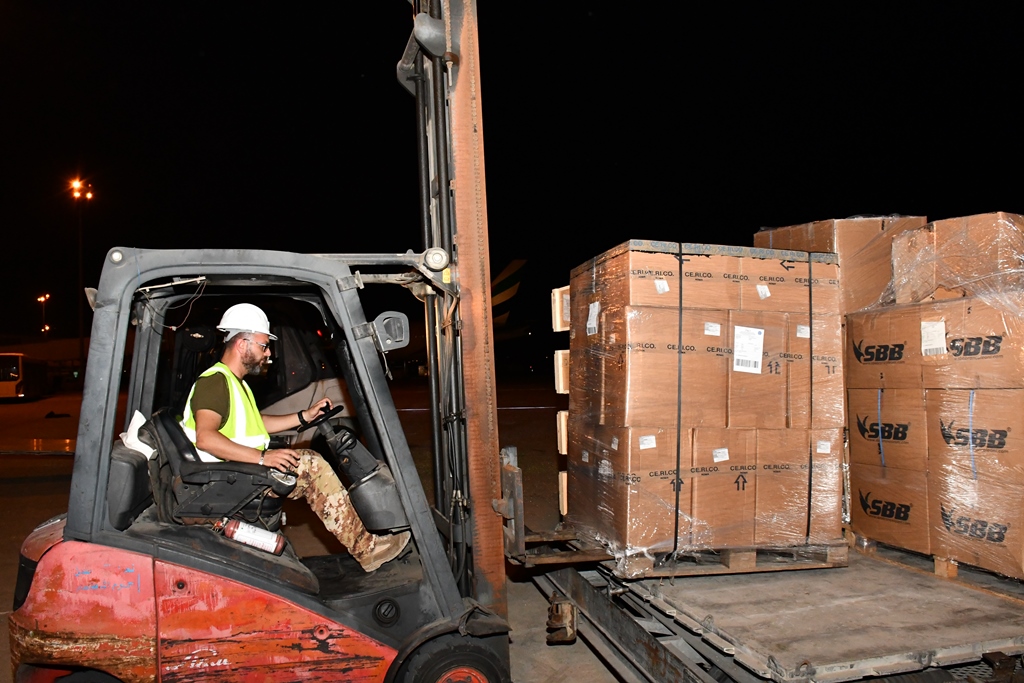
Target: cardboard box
<point x="978" y="520"/>
<point x="890" y="505"/>
<point x="631" y="277"/>
<point x="637" y="370"/>
<point x="624" y="486"/>
<point x="783" y="493"/>
<point x="772" y="284"/>
<point x="862" y="246"/>
<point x="724" y="487"/>
<point x="973" y="343"/>
<point x="979" y="432"/>
<point x="976" y="461"/>
<point x="888" y="428"/>
<point x="883" y="348"/>
<point x="967" y="256"/>
<point x="671" y="274"/>
<point x="826" y="449"/>
<point x="816" y="392"/>
<point x="758" y="373"/>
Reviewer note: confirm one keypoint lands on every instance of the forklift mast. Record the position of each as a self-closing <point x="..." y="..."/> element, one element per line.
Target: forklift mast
<point x="441" y="68"/>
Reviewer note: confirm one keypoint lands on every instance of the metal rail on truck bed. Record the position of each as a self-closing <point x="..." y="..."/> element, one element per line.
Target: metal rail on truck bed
<point x="876" y="617"/>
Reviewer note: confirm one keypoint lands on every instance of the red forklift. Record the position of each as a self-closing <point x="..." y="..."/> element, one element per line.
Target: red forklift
<point x="138" y="581"/>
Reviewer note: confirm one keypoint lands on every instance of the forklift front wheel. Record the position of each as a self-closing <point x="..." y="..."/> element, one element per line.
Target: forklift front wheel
<point x="453" y="659"/>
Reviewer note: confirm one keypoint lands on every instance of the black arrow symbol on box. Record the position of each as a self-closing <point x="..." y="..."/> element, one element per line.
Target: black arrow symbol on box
<point x="741" y="483"/>
<point x="787" y="267"/>
<point x="677" y="484"/>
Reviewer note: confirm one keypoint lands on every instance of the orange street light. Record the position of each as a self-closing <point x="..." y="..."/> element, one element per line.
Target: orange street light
<point x="78" y="190"/>
<point x="42" y="300"/>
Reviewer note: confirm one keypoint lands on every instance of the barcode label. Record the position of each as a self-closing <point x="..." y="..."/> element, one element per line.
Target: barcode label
<point x="592" y="313"/>
<point x="661" y="286"/>
<point x="748" y="349"/>
<point x="933" y="337"/>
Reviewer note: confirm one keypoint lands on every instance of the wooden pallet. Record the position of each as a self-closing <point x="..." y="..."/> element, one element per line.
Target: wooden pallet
<point x="737" y="561"/>
<point x="943" y="567"/>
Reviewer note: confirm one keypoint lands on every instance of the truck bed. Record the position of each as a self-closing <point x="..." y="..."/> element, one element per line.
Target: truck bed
<point x="876" y="617"/>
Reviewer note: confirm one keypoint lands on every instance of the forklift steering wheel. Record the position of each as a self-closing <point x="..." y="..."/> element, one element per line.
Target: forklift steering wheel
<point x="324" y="417"/>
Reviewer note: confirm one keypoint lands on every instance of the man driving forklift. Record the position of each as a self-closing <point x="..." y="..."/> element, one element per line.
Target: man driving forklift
<point x="222" y="420"/>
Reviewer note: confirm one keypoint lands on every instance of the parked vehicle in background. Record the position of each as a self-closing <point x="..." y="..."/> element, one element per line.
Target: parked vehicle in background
<point x="22" y="377"/>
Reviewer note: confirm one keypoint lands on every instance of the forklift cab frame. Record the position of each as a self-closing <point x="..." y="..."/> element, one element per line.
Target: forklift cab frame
<point x="159" y="601"/>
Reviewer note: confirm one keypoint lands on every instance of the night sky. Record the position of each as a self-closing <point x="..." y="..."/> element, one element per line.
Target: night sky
<point x="283" y="126"/>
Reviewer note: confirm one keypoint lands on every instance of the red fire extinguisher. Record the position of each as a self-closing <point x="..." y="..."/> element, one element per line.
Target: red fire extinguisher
<point x="243" y="532"/>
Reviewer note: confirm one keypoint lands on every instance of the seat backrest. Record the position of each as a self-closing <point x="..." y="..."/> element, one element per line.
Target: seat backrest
<point x="172" y="440"/>
<point x="128" y="486"/>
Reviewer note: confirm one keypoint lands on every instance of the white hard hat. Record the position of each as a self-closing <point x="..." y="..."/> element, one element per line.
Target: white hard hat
<point x="245" y="318"/>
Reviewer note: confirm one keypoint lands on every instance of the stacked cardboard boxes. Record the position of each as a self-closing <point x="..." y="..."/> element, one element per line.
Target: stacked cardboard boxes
<point x="705" y="398"/>
<point x="936" y="385"/>
<point x="862" y="247"/>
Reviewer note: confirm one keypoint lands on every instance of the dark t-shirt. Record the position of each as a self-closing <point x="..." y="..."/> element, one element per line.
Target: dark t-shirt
<point x="211" y="393"/>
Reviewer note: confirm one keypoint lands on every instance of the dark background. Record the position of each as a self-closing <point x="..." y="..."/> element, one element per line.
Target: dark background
<point x="282" y="126"/>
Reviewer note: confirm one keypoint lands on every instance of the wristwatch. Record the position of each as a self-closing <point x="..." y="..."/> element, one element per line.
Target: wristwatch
<point x="262" y="454"/>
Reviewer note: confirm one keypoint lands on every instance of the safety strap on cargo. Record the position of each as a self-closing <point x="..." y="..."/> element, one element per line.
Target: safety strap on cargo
<point x="679" y="406"/>
<point x="881" y="444"/>
<point x="970" y="431"/>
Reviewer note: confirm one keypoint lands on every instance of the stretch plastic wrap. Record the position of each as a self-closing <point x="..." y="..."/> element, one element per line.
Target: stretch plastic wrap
<point x="973" y="256"/>
<point x="936" y="392"/>
<point x="705" y="407"/>
<point x="862" y="246"/>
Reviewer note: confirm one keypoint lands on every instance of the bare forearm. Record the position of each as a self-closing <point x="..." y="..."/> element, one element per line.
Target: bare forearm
<point x="280" y="423"/>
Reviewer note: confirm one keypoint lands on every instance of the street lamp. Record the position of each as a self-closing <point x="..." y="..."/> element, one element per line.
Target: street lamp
<point x="42" y="300"/>
<point x="80" y="190"/>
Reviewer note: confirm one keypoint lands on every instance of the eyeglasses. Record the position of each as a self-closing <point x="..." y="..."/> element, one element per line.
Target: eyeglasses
<point x="265" y="347"/>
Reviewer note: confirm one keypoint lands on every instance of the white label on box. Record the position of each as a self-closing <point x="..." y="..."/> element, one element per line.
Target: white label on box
<point x="586" y="456"/>
<point x="615" y="443"/>
<point x="712" y="330"/>
<point x="933" y="338"/>
<point x="824" y="447"/>
<point x="720" y="454"/>
<point x="595" y="310"/>
<point x="604" y="470"/>
<point x="648" y="441"/>
<point x="763" y="291"/>
<point x="803" y="331"/>
<point x="661" y="286"/>
<point x="748" y="349"/>
<point x="565" y="307"/>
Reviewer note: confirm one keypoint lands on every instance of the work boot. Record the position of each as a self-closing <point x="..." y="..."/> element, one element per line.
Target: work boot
<point x="385" y="549"/>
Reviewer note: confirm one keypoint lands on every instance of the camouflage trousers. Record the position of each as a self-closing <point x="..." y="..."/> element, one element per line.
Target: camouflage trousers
<point x="327" y="497"/>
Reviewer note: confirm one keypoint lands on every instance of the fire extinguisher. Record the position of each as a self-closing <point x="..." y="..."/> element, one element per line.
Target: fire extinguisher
<point x="249" y="534"/>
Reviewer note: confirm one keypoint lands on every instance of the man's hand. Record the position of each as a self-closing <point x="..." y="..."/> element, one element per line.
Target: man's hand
<point x="283" y="459"/>
<point x="311" y="413"/>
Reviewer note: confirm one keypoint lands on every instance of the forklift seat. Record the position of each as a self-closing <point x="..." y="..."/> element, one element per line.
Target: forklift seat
<point x="128" y="486"/>
<point x="188" y="490"/>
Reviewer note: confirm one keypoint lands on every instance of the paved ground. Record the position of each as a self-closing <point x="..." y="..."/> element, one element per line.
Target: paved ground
<point x="37" y="439"/>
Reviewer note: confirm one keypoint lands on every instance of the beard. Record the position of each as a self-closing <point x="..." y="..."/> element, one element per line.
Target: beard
<point x="252" y="363"/>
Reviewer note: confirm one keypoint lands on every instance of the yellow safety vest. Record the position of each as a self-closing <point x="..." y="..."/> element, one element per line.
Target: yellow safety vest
<point x="244" y="424"/>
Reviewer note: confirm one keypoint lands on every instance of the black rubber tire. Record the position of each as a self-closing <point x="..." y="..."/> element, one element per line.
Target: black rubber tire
<point x="433" y="659"/>
<point x="88" y="677"/>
